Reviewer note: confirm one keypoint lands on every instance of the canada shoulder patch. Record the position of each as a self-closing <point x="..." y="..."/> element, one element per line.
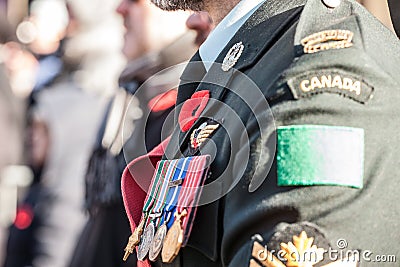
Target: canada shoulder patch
<point x="330" y="81"/>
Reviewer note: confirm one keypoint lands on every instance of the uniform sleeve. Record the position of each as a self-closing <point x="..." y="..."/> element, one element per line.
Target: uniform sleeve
<point x="322" y="178"/>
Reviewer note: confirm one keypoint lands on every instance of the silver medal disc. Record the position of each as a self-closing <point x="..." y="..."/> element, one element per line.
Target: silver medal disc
<point x="145" y="242"/>
<point x="157" y="243"/>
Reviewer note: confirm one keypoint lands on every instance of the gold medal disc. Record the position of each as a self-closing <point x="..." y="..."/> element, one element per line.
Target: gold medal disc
<point x="172" y="243"/>
<point x="173" y="240"/>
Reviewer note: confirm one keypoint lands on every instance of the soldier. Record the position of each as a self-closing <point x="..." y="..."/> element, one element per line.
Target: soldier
<point x="285" y="148"/>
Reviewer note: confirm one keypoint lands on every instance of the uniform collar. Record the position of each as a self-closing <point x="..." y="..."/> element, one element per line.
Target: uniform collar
<point x="264" y="27"/>
<point x="244" y="16"/>
<point x="226" y="29"/>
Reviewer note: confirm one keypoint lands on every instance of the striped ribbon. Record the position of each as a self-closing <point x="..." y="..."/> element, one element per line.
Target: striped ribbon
<point x="152" y="196"/>
<point x="173" y="193"/>
<point x="191" y="185"/>
<point x="161" y="196"/>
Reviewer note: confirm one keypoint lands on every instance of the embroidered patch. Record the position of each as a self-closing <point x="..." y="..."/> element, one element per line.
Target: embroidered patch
<point x="327" y="40"/>
<point x="320" y="155"/>
<point x="331" y="81"/>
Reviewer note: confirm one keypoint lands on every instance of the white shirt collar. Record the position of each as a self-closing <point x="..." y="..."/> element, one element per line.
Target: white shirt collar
<point x="226" y="29"/>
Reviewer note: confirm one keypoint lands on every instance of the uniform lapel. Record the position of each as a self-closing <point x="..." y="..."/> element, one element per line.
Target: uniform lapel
<point x="189" y="82"/>
<point x="190" y="78"/>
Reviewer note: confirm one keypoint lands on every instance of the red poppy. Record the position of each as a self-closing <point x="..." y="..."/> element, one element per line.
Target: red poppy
<point x="163" y="101"/>
<point x="24" y="217"/>
<point x="192" y="109"/>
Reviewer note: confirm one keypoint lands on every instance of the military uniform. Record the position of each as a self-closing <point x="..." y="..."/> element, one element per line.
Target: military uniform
<point x="318" y="161"/>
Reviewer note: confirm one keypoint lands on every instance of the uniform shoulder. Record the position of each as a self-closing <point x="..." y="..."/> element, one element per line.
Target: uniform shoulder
<point x="343" y="50"/>
<point x="342" y="32"/>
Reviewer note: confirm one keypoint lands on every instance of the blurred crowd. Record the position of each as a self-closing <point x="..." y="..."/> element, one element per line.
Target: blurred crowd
<point x="85" y="87"/>
<point x="55" y="90"/>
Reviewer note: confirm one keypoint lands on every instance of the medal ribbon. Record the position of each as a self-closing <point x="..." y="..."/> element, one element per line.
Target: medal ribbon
<point x="161" y="196"/>
<point x="173" y="192"/>
<point x="162" y="167"/>
<point x="191" y="184"/>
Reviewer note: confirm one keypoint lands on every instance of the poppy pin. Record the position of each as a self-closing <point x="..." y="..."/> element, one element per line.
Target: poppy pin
<point x="192" y="108"/>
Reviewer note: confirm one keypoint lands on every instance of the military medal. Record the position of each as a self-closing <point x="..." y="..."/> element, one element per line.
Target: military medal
<point x="157" y="243"/>
<point x="194" y="178"/>
<point x="147" y="238"/>
<point x="174" y="239"/>
<point x="171" y="200"/>
<point x="232" y="56"/>
<point x="134" y="239"/>
<point x="148" y="210"/>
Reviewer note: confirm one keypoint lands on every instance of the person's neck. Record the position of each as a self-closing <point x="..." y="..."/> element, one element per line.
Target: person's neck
<point x="219" y="9"/>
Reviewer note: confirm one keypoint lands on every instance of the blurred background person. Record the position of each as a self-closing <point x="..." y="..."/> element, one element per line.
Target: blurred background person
<point x="65" y="109"/>
<point x="72" y="105"/>
<point x="12" y="130"/>
<point x="154" y="41"/>
<point x="11" y="108"/>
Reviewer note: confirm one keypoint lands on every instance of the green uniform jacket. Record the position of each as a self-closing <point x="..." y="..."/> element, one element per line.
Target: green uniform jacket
<point x="322" y="158"/>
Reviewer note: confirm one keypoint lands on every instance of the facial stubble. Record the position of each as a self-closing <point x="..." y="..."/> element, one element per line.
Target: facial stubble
<point x="173" y="5"/>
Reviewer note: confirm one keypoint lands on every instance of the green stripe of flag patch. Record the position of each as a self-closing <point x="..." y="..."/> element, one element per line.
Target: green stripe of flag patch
<point x="320" y="155"/>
